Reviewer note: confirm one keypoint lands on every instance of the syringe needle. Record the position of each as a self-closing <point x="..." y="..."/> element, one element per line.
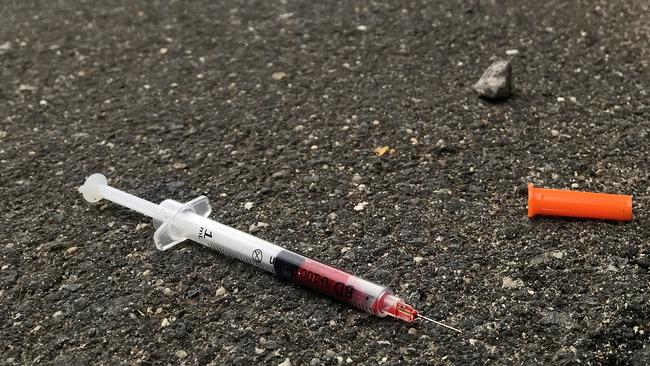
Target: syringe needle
<point x="438" y="323"/>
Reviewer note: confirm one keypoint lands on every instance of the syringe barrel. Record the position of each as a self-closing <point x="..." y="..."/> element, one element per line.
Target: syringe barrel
<point x="286" y="264"/>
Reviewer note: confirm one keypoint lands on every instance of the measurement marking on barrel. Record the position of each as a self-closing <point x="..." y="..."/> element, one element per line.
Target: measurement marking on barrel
<point x="257" y="255"/>
<point x="203" y="233"/>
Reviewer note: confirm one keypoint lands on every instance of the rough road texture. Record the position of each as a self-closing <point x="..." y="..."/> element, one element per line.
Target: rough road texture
<point x="275" y="104"/>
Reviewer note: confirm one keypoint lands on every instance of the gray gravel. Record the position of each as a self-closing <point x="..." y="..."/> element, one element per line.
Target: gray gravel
<point x="286" y="105"/>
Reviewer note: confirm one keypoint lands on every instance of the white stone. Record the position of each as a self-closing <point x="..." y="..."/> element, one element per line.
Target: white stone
<point x="510" y="283"/>
<point x="360" y="206"/>
<point x="287" y="362"/>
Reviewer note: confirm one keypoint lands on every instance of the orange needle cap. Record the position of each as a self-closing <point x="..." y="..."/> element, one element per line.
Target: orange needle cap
<point x="558" y="202"/>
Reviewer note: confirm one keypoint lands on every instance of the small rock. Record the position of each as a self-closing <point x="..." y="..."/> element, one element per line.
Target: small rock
<point x="259" y="351"/>
<point x="181" y="354"/>
<point x="248" y="205"/>
<point x="279" y="75"/>
<point x="512" y="52"/>
<point x="5" y="46"/>
<point x="332" y="216"/>
<point x="163" y="50"/>
<point x="362" y="28"/>
<point x="509" y="282"/>
<point x="141" y="226"/>
<point x="167" y="291"/>
<point x="279" y="174"/>
<point x="259" y="225"/>
<point x="9" y="246"/>
<point x="179" y="165"/>
<point x="360" y="206"/>
<point x="221" y="291"/>
<point x="71" y="250"/>
<point x="557" y="255"/>
<point x="146" y="273"/>
<point x="164" y="323"/>
<point x="496" y="81"/>
<point x="287" y="362"/>
<point x="71" y="287"/>
<point x="413" y="331"/>
<point x="417" y="260"/>
<point x="57" y="314"/>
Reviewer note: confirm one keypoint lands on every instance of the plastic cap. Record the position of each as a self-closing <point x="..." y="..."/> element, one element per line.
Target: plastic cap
<point x="557" y="202"/>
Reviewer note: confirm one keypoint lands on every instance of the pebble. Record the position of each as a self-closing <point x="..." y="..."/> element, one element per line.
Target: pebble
<point x="417" y="260"/>
<point x="5" y="46"/>
<point x="179" y="165"/>
<point x="259" y="225"/>
<point x="181" y="354"/>
<point x="496" y="81"/>
<point x="9" y="246"/>
<point x="71" y="250"/>
<point x="164" y="323"/>
<point x="509" y="282"/>
<point x="259" y="351"/>
<point x="221" y="291"/>
<point x="279" y="75"/>
<point x="287" y="362"/>
<point x="332" y="216"/>
<point x="413" y="331"/>
<point x="362" y="28"/>
<point x="163" y="50"/>
<point x="71" y="287"/>
<point x="57" y="314"/>
<point x="167" y="291"/>
<point x="248" y="205"/>
<point x="360" y="206"/>
<point x="512" y="52"/>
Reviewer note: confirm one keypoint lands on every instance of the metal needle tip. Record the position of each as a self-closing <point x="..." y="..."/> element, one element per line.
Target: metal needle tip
<point x="438" y="323"/>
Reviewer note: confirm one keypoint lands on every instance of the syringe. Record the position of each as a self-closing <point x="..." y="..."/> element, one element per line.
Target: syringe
<point x="176" y="222"/>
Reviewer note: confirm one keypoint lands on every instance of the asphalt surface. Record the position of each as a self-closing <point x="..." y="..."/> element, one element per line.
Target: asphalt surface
<point x="282" y="104"/>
